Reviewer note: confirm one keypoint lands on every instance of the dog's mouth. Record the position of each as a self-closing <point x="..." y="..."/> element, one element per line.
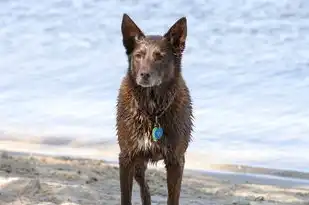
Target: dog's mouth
<point x="146" y="83"/>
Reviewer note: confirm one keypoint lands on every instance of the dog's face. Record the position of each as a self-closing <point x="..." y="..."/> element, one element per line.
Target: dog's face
<point x="153" y="59"/>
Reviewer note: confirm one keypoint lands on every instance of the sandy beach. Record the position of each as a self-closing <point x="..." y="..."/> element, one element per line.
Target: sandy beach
<point x="36" y="179"/>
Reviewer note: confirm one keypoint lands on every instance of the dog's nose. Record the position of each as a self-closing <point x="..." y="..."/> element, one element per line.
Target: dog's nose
<point x="145" y="75"/>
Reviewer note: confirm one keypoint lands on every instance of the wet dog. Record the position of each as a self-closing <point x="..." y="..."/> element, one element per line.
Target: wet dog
<point x="154" y="109"/>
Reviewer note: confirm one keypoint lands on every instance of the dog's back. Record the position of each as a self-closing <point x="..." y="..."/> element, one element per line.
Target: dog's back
<point x="153" y="97"/>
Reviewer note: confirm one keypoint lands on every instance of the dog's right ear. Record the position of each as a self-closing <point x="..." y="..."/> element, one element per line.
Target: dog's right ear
<point x="130" y="32"/>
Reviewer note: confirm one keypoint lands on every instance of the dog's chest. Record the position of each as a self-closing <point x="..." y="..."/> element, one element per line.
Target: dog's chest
<point x="145" y="142"/>
<point x="141" y="135"/>
<point x="147" y="147"/>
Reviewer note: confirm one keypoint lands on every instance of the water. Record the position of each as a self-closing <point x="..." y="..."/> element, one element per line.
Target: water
<point x="246" y="63"/>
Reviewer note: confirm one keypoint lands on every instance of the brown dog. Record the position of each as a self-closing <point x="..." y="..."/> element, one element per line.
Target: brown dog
<point x="153" y="98"/>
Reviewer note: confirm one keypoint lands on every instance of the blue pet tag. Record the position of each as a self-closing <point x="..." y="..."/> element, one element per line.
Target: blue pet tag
<point x="157" y="133"/>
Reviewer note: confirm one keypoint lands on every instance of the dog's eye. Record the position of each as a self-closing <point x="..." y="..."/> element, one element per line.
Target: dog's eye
<point x="138" y="56"/>
<point x="158" y="56"/>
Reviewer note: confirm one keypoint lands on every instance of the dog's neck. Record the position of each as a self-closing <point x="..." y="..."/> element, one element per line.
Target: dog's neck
<point x="154" y="99"/>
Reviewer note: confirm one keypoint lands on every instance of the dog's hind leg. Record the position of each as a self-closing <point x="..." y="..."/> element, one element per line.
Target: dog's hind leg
<point x="140" y="169"/>
<point x="174" y="169"/>
<point x="126" y="172"/>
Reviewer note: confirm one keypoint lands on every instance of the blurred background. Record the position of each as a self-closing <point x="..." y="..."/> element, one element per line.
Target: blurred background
<point x="246" y="64"/>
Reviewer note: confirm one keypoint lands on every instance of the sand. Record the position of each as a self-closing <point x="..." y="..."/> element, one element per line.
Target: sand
<point x="48" y="180"/>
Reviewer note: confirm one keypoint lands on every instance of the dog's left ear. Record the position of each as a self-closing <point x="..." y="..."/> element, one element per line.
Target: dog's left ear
<point x="177" y="35"/>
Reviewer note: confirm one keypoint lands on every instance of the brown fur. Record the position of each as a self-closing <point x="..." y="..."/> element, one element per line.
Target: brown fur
<point x="166" y="91"/>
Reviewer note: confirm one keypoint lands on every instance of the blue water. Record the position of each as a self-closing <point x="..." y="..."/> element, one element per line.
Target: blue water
<point x="246" y="63"/>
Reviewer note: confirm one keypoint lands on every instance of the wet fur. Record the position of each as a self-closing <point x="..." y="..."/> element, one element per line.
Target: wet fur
<point x="134" y="128"/>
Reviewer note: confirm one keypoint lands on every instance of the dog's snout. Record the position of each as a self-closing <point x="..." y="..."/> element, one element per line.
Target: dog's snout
<point x="145" y="75"/>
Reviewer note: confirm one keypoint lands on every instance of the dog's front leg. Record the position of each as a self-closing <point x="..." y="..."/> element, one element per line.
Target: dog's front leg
<point x="126" y="173"/>
<point x="140" y="169"/>
<point x="174" y="168"/>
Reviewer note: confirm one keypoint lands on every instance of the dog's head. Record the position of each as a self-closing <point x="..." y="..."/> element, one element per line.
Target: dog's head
<point x="153" y="60"/>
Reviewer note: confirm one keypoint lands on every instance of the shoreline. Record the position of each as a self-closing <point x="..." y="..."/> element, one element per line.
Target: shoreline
<point x="218" y="169"/>
<point x="109" y="156"/>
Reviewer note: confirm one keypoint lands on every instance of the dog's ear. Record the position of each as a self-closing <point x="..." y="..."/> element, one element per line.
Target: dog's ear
<point x="177" y="35"/>
<point x="130" y="32"/>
